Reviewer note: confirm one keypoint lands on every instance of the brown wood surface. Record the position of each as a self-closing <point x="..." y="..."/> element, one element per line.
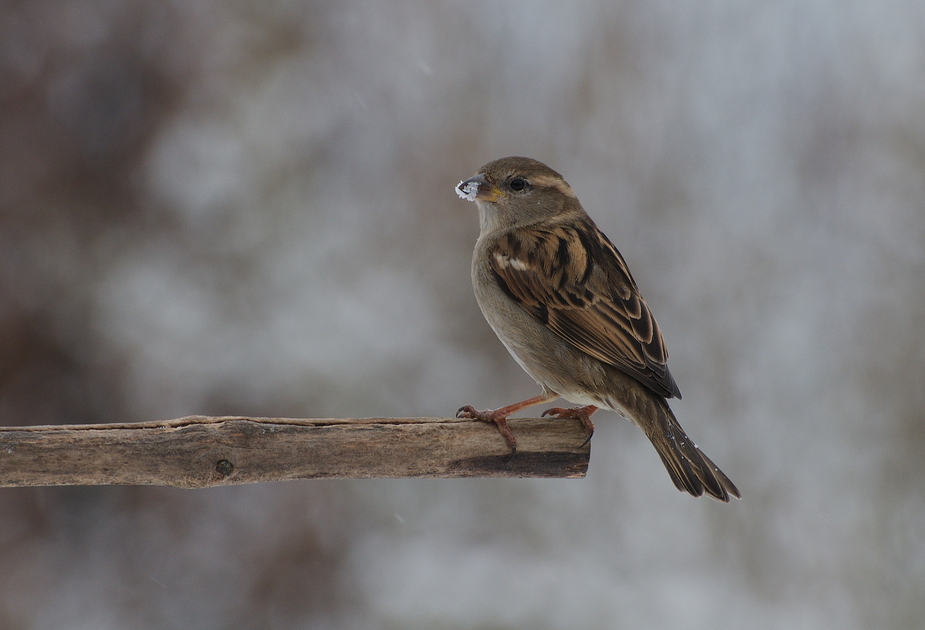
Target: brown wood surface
<point x="203" y="451"/>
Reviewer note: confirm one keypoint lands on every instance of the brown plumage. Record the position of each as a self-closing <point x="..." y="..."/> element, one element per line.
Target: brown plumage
<point x="562" y="300"/>
<point x="578" y="285"/>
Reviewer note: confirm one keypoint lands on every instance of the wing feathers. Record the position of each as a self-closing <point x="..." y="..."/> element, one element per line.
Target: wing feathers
<point x="573" y="280"/>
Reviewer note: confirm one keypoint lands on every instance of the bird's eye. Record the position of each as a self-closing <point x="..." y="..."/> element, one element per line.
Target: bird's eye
<point x="518" y="184"/>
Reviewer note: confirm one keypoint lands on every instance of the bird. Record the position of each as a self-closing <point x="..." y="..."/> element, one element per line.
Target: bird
<point x="561" y="299"/>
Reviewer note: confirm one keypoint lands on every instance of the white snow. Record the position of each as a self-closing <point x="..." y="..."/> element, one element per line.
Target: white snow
<point x="467" y="190"/>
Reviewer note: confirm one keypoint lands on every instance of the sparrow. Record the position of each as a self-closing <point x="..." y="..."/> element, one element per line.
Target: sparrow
<point x="562" y="300"/>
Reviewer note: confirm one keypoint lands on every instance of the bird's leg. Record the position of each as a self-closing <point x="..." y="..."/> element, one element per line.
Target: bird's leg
<point x="576" y="413"/>
<point x="499" y="417"/>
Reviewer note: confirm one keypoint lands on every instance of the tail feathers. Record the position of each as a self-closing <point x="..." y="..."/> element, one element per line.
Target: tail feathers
<point x="690" y="470"/>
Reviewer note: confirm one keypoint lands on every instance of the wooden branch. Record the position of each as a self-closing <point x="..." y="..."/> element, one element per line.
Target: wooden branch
<point x="202" y="451"/>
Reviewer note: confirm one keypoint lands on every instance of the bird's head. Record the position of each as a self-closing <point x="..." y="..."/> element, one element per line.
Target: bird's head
<point x="516" y="191"/>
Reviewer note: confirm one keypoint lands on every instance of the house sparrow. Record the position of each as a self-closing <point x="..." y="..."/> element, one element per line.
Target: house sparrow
<point x="562" y="301"/>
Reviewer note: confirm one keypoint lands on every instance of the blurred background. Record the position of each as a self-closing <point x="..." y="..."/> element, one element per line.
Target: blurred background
<point x="247" y="208"/>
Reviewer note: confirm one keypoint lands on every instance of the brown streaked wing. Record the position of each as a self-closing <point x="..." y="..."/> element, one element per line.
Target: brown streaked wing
<point x="574" y="281"/>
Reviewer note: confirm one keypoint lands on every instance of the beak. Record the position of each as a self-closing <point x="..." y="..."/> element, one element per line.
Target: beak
<point x="477" y="189"/>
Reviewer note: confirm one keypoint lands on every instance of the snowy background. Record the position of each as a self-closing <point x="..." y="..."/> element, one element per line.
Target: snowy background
<point x="248" y="208"/>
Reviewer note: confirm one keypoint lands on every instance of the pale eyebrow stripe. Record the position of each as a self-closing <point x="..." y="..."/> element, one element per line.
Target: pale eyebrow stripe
<point x="546" y="181"/>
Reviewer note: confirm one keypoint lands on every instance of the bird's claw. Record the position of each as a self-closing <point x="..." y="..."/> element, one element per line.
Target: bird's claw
<point x="468" y="411"/>
<point x="575" y="413"/>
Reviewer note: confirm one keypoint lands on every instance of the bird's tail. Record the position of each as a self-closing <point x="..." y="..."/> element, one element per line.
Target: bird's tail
<point x="690" y="470"/>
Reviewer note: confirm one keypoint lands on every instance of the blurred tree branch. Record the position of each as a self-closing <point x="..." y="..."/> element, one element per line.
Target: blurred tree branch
<point x="203" y="451"/>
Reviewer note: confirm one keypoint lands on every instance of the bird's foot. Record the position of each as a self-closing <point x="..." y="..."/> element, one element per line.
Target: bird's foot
<point x="575" y="413"/>
<point x="492" y="415"/>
